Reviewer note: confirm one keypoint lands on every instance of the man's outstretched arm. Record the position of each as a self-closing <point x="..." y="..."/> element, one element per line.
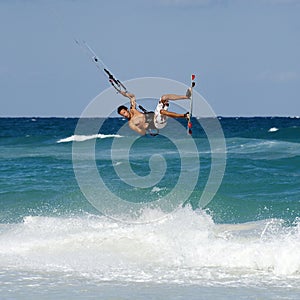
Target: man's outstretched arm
<point x="131" y="97"/>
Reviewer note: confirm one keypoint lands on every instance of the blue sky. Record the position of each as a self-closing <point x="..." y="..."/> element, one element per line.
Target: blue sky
<point x="245" y="52"/>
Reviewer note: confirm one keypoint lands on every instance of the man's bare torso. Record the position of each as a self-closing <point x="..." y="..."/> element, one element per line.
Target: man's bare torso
<point x="137" y="121"/>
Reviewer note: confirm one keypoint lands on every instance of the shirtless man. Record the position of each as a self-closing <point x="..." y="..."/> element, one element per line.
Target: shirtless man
<point x="143" y="122"/>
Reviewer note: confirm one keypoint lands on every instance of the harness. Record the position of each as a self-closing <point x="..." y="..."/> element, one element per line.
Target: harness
<point x="149" y="115"/>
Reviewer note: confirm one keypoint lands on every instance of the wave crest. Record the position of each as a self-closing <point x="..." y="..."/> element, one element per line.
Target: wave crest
<point x="82" y="138"/>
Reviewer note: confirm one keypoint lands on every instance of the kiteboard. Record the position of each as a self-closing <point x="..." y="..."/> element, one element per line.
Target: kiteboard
<point x="190" y="124"/>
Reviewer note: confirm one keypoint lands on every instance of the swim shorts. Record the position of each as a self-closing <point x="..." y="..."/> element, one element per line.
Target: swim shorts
<point x="160" y="121"/>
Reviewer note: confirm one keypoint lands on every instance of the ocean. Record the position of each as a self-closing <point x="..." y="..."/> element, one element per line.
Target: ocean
<point x="111" y="215"/>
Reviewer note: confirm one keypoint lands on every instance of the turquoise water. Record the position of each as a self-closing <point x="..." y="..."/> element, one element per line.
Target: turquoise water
<point x="245" y="242"/>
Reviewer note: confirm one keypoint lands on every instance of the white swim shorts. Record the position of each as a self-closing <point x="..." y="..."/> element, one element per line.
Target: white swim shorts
<point x="160" y="121"/>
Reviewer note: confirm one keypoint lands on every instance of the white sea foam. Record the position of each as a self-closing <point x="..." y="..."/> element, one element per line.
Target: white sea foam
<point x="273" y="129"/>
<point x="82" y="138"/>
<point x="186" y="247"/>
<point x="157" y="189"/>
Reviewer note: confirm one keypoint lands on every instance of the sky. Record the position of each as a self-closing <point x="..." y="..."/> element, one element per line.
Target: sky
<point x="245" y="53"/>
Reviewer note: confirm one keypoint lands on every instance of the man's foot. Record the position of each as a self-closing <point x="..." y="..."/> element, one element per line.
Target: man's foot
<point x="187" y="115"/>
<point x="189" y="93"/>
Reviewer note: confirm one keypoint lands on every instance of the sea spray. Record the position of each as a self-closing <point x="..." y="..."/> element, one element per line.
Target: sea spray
<point x="187" y="241"/>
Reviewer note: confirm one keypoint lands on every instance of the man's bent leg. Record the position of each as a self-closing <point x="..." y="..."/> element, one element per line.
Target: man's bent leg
<point x="172" y="97"/>
<point x="172" y="114"/>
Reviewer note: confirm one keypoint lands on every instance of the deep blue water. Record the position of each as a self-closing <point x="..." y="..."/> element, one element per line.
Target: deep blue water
<point x="262" y="177"/>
